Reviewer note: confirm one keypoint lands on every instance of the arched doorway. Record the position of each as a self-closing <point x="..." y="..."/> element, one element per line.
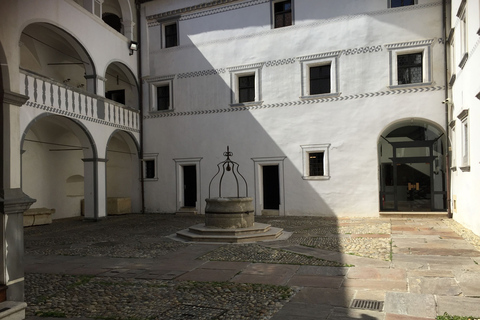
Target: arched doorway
<point x="123" y="178"/>
<point x="53" y="169"/>
<point x="412" y="167"/>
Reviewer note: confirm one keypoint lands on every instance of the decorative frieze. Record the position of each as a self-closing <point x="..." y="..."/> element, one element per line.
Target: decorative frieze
<point x="297" y="103"/>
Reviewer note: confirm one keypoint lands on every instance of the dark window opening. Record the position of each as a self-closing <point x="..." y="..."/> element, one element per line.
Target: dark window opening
<point x="171" y="35"/>
<point x="283" y="14"/>
<point x="316" y="164"/>
<point x="320" y="79"/>
<point x="149" y="169"/>
<point x="113" y="21"/>
<point x="410" y="69"/>
<point x="246" y="88"/>
<point x="190" y="186"/>
<point x="401" y="3"/>
<point x="163" y="97"/>
<point x="116" y="95"/>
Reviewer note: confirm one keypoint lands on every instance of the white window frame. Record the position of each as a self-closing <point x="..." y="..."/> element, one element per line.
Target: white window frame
<point x="307" y="62"/>
<point x="159" y="82"/>
<point x="169" y="23"/>
<point x="272" y="15"/>
<point x="462" y="16"/>
<point x="453" y="145"/>
<point x="182" y="162"/>
<point x="402" y="48"/>
<point x="150" y="157"/>
<point x="465" y="147"/>
<point x="242" y="71"/>
<point x="390" y="4"/>
<point x="316" y="148"/>
<point x="259" y="163"/>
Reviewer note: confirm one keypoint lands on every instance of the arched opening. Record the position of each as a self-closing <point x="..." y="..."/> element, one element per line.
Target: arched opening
<point x="412" y="167"/>
<point x="123" y="183"/>
<point x="113" y="21"/>
<point x="121" y="85"/>
<point x="112" y="14"/>
<point x="53" y="149"/>
<point x="53" y="53"/>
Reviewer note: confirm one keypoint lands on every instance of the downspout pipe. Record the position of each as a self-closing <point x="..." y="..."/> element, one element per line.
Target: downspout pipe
<point x="447" y="129"/>
<point x="138" y="4"/>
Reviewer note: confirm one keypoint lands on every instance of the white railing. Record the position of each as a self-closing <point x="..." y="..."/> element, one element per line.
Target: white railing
<point x="58" y="98"/>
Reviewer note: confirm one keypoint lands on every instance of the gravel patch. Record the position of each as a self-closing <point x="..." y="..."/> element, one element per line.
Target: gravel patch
<point x="260" y="254"/>
<point x="120" y="298"/>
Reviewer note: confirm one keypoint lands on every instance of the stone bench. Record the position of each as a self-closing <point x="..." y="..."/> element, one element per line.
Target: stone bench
<point x="119" y="205"/>
<point x="37" y="217"/>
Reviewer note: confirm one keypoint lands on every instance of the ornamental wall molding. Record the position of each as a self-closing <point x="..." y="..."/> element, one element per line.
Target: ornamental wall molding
<point x="158" y="78"/>
<point x="70" y="114"/>
<point x="408" y="44"/>
<point x="14" y="98"/>
<point x="200" y="73"/>
<point x="297" y="102"/>
<point x="320" y="55"/>
<point x="246" y="67"/>
<point x="206" y="9"/>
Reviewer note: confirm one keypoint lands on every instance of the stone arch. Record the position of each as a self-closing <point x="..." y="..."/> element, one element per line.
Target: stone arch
<point x="54" y="149"/>
<point x="123" y="10"/>
<point x="412" y="169"/>
<point x="55" y="53"/>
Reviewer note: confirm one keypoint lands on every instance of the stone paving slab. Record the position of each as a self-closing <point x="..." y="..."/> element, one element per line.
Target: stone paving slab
<point x="376" y="284"/>
<point x="315" y="281"/>
<point x="418" y="305"/>
<point x="341" y="297"/>
<point x="323" y="271"/>
<point x="436" y="286"/>
<point x="208" y="275"/>
<point x="392" y="316"/>
<point x="459" y="306"/>
<point x="377" y="273"/>
<point x="347" y="314"/>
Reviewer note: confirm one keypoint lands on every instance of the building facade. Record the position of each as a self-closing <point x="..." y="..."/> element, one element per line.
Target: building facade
<point x="331" y="108"/>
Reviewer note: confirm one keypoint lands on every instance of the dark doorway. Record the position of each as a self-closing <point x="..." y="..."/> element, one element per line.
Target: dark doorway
<point x="116" y="95"/>
<point x="412" y="170"/>
<point x="189" y="186"/>
<point x="271" y="188"/>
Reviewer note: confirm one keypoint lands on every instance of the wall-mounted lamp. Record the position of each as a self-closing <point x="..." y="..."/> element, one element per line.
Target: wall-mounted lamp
<point x="133" y="47"/>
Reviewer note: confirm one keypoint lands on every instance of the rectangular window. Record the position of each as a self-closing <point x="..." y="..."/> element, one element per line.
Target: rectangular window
<point x="163" y="97"/>
<point x="410" y="69"/>
<point x="316" y="164"/>
<point x="282" y="14"/>
<point x="171" y="35"/>
<point x="149" y="169"/>
<point x="401" y="3"/>
<point x="320" y="79"/>
<point x="246" y="88"/>
<point x="465" y="147"/>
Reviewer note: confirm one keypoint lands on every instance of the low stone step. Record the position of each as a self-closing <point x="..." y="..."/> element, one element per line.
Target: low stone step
<point x="271" y="234"/>
<point x="256" y="228"/>
<point x="414" y="214"/>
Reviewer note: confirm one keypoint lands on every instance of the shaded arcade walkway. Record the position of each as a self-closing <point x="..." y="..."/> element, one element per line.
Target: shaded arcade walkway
<point x="128" y="267"/>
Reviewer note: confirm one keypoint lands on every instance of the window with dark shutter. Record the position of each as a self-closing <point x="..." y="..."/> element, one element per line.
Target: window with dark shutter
<point x="320" y="79"/>
<point x="163" y="97"/>
<point x="316" y="164"/>
<point x="246" y="89"/>
<point x="409" y="68"/>
<point x="283" y="14"/>
<point x="171" y="35"/>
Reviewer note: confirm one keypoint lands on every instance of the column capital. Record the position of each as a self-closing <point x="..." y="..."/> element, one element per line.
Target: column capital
<point x="14" y="201"/>
<point x="14" y="98"/>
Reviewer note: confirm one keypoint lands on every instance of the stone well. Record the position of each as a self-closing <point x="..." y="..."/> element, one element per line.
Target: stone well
<point x="229" y="212"/>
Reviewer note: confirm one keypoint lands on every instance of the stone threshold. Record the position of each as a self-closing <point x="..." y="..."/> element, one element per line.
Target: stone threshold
<point x="12" y="310"/>
<point x="414" y="214"/>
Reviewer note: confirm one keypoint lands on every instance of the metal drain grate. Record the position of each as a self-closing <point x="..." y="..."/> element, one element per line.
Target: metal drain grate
<point x="367" y="304"/>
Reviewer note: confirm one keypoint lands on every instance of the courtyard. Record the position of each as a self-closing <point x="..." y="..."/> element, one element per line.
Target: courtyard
<point x="130" y="267"/>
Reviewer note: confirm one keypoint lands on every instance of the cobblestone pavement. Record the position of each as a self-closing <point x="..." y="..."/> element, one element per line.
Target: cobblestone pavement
<point x="135" y="237"/>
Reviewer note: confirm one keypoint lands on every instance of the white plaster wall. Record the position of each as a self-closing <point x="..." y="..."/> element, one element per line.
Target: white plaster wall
<point x="203" y="123"/>
<point x="465" y="183"/>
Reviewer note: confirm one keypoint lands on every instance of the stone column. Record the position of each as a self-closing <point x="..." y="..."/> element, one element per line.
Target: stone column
<point x="95" y="189"/>
<point x="13" y="202"/>
<point x="95" y="84"/>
